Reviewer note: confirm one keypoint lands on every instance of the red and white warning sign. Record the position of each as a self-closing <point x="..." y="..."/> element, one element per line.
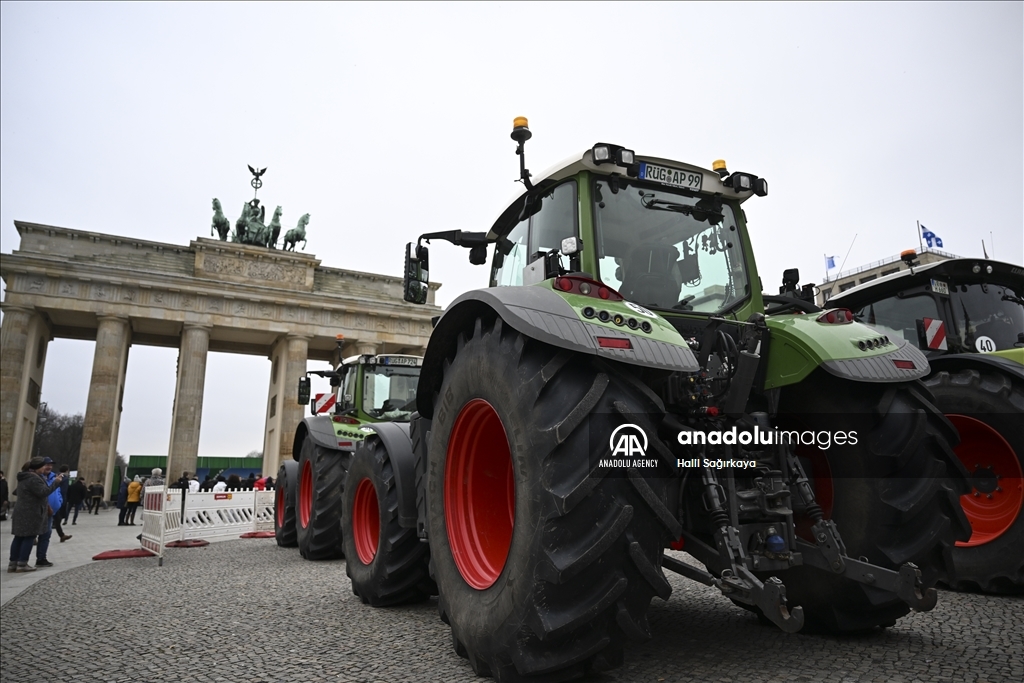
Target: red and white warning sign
<point x="934" y="334"/>
<point x="324" y="402"/>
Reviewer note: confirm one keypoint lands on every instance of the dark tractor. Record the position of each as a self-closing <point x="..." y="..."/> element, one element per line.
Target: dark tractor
<point x="967" y="317"/>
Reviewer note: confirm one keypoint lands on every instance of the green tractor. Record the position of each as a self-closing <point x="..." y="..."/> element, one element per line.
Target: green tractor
<point x="967" y="317"/>
<point x="366" y="389"/>
<point x="618" y="393"/>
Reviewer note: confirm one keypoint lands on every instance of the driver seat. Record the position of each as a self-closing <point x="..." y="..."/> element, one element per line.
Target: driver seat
<point x="650" y="275"/>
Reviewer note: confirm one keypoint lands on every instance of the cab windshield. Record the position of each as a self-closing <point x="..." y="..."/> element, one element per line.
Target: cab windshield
<point x="390" y="392"/>
<point x="988" y="317"/>
<point x="666" y="249"/>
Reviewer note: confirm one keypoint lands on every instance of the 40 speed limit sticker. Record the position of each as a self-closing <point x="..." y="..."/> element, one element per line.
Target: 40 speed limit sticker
<point x="985" y="344"/>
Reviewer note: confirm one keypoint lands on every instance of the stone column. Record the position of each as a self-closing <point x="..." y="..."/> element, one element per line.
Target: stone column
<point x="283" y="409"/>
<point x="183" y="450"/>
<point x="103" y="408"/>
<point x="14" y="341"/>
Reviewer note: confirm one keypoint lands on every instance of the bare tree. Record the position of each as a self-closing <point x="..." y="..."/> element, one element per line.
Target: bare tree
<point x="58" y="436"/>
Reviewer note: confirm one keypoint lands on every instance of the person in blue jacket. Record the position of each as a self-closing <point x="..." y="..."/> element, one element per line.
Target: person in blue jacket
<point x="60" y="514"/>
<point x="54" y="501"/>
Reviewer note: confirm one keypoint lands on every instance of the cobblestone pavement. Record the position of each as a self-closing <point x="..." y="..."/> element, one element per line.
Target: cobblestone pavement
<point x="246" y="610"/>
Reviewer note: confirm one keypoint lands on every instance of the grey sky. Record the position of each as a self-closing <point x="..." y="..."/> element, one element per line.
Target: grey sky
<point x="385" y="120"/>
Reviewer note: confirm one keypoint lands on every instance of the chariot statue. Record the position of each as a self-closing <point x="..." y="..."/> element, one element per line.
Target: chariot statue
<point x="251" y="227"/>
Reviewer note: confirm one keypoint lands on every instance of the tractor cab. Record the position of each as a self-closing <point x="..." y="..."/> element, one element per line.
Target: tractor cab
<point x="377" y="388"/>
<point x="667" y="236"/>
<point x="954" y="306"/>
<point x="364" y="389"/>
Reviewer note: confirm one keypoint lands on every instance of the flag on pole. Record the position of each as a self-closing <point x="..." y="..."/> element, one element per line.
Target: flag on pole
<point x="830" y="263"/>
<point x="930" y="237"/>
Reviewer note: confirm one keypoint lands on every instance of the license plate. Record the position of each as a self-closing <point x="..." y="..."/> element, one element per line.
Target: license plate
<point x="690" y="180"/>
<point x="398" y="360"/>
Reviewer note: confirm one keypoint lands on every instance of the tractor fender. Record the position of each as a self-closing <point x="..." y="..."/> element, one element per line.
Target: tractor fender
<point x="799" y="344"/>
<point x="320" y="429"/>
<point x="979" y="361"/>
<point x="395" y="436"/>
<point x="539" y="313"/>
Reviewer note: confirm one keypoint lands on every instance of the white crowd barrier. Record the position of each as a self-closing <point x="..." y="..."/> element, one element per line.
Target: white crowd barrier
<point x="207" y="514"/>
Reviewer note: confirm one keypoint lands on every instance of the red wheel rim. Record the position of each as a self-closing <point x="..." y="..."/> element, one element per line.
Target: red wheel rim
<point x="997" y="484"/>
<point x="279" y="506"/>
<point x="366" y="521"/>
<point x="305" y="493"/>
<point x="479" y="494"/>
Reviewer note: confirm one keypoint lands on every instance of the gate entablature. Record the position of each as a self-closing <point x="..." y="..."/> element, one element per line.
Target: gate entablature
<point x="248" y="295"/>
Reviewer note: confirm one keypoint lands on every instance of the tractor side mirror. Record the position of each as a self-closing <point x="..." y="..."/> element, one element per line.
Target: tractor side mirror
<point x="303" y="391"/>
<point x="417" y="274"/>
<point x="790" y="279"/>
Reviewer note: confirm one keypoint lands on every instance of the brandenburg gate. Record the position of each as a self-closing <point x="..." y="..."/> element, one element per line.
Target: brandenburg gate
<point x="211" y="295"/>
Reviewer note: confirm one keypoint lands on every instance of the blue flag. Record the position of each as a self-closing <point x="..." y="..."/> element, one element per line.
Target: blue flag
<point x="830" y="262"/>
<point x="930" y="237"/>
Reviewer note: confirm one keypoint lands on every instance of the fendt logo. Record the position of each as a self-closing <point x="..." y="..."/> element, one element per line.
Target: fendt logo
<point x="628" y="441"/>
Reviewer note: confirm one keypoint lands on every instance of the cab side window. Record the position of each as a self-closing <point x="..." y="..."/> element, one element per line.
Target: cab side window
<point x="556" y="219"/>
<point x="898" y="316"/>
<point x="510" y="274"/>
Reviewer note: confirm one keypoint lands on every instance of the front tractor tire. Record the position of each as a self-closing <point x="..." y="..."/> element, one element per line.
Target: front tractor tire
<point x="285" y="531"/>
<point x="894" y="495"/>
<point x="321" y="482"/>
<point x="545" y="563"/>
<point x="388" y="564"/>
<point x="987" y="408"/>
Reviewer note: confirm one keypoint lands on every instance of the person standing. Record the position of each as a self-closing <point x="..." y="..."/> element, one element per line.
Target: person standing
<point x="65" y="488"/>
<point x="53" y="503"/>
<point x="156" y="478"/>
<point x="122" y="503"/>
<point x="29" y="516"/>
<point x="134" y="498"/>
<point x="5" y="500"/>
<point x="77" y="493"/>
<point x="59" y="505"/>
<point x="95" y="497"/>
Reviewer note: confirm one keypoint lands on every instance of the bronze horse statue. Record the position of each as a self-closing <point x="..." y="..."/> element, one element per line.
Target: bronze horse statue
<point x="274" y="228"/>
<point x="220" y="222"/>
<point x="241" y="225"/>
<point x="296" y="234"/>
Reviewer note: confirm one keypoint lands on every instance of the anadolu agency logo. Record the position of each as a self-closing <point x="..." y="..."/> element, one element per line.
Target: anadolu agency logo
<point x="628" y="445"/>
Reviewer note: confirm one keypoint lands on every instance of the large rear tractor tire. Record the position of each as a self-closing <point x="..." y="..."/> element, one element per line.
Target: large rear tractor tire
<point x="987" y="408"/>
<point x="388" y="564"/>
<point x="321" y="482"/>
<point x="284" y="505"/>
<point x="545" y="562"/>
<point x="894" y="495"/>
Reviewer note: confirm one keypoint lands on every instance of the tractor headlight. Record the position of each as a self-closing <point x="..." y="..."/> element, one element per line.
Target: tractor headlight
<point x="605" y="153"/>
